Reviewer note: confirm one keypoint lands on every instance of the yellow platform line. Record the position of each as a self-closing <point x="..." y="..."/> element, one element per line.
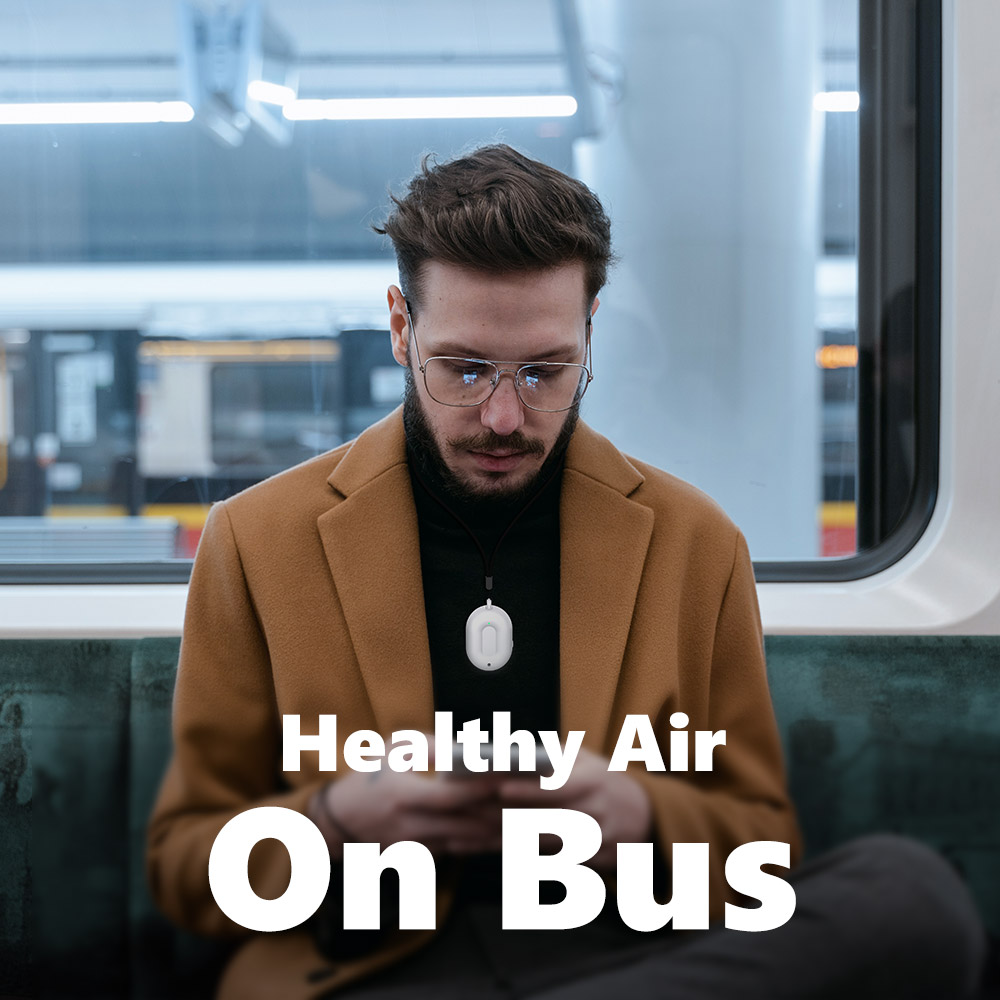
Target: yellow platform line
<point x="188" y="515"/>
<point x="838" y="514"/>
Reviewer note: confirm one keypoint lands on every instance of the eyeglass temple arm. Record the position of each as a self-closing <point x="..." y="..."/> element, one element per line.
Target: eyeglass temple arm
<point x="413" y="335"/>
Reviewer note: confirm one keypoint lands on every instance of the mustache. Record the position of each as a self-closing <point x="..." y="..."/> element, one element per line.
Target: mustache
<point x="491" y="441"/>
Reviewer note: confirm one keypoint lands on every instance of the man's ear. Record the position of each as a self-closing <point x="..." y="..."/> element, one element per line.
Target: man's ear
<point x="399" y="327"/>
<point x="593" y="308"/>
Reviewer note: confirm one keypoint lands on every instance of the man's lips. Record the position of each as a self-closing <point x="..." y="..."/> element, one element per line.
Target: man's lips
<point x="497" y="461"/>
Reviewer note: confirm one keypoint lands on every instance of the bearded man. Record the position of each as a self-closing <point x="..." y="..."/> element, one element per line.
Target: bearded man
<point x="345" y="586"/>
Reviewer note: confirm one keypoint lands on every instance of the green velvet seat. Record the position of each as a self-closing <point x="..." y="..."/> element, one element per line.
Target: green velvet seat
<point x="881" y="733"/>
<point x="84" y="737"/>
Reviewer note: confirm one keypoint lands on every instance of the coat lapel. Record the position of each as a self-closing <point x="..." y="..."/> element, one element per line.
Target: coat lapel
<point x="603" y="541"/>
<point x="372" y="545"/>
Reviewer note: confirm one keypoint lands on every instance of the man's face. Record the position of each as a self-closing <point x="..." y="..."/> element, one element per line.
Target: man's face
<point x="498" y="447"/>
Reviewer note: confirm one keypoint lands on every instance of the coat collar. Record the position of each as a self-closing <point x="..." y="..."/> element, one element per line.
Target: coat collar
<point x="372" y="545"/>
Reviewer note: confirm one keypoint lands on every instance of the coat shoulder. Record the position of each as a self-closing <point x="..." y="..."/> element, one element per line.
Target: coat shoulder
<point x="299" y="495"/>
<point x="686" y="518"/>
<point x="671" y="499"/>
<point x="302" y="488"/>
<point x="664" y="491"/>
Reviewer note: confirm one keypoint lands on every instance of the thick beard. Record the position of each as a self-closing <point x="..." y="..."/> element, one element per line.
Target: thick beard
<point x="421" y="440"/>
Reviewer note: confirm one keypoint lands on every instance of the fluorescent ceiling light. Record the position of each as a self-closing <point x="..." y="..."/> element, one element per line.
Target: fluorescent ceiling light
<point x="837" y="100"/>
<point x="270" y="93"/>
<point x="96" y="112"/>
<point x="352" y="109"/>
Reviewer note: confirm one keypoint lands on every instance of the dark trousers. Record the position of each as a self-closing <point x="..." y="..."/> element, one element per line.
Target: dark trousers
<point x="882" y="917"/>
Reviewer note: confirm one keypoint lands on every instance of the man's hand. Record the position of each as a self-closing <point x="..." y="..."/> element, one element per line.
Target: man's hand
<point x="462" y="815"/>
<point x="442" y="813"/>
<point x="618" y="803"/>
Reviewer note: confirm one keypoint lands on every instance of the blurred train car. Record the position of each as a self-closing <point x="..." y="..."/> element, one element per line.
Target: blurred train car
<point x="160" y="427"/>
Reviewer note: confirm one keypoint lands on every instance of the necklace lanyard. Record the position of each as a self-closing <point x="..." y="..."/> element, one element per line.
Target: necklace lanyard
<point x="487" y="562"/>
<point x="489" y="632"/>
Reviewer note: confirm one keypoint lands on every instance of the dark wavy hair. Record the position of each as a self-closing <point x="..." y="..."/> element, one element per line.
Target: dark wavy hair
<point x="495" y="210"/>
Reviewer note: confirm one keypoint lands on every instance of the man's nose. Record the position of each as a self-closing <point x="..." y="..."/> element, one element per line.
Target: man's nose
<point x="503" y="412"/>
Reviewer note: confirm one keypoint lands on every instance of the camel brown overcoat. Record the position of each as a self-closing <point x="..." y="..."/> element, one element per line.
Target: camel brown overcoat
<point x="306" y="598"/>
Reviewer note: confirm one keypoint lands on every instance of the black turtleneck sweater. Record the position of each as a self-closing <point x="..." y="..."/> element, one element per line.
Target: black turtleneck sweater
<point x="525" y="570"/>
<point x="525" y="585"/>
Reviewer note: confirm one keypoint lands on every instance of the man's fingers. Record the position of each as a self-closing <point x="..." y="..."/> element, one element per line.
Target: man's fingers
<point x="530" y="793"/>
<point x="451" y="793"/>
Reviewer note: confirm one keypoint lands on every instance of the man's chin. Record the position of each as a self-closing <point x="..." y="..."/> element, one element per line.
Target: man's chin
<point x="483" y="484"/>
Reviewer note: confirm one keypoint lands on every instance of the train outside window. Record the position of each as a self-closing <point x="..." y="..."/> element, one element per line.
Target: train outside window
<point x="212" y="306"/>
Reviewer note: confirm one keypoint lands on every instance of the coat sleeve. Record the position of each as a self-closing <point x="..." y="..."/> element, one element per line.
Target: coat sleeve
<point x="226" y="737"/>
<point x="744" y="797"/>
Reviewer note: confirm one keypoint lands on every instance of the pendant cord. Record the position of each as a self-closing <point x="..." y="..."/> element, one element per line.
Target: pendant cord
<point x="487" y="563"/>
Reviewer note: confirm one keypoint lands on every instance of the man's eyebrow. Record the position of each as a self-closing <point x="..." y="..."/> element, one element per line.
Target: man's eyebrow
<point x="453" y="350"/>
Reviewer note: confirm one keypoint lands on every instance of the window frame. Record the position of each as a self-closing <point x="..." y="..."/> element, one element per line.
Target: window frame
<point x="876" y="119"/>
<point x="905" y="536"/>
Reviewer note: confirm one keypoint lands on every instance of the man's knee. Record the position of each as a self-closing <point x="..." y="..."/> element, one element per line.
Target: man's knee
<point x="915" y="901"/>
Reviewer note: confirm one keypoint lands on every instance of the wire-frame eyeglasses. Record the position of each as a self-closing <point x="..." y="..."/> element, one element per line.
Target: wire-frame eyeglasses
<point x="547" y="386"/>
